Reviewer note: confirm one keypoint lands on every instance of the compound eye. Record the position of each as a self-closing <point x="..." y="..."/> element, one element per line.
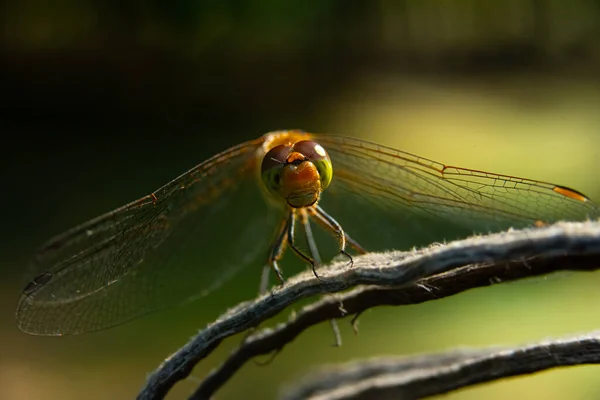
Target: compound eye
<point x="272" y="167"/>
<point x="314" y="152"/>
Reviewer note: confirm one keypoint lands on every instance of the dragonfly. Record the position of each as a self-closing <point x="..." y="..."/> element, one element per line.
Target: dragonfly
<point x="244" y="205"/>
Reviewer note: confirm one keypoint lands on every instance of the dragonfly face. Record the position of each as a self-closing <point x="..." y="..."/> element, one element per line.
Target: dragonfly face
<point x="163" y="249"/>
<point x="297" y="173"/>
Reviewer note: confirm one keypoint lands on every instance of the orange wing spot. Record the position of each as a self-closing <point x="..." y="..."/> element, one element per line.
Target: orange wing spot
<point x="540" y="224"/>
<point x="570" y="193"/>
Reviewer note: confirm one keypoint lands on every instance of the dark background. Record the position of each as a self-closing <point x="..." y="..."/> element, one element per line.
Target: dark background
<point x="104" y="101"/>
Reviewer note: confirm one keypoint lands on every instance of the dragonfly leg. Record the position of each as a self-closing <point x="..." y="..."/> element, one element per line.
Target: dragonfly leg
<point x="275" y="254"/>
<point x="312" y="245"/>
<point x="291" y="240"/>
<point x="330" y="224"/>
<point x="325" y="219"/>
<point x="314" y="251"/>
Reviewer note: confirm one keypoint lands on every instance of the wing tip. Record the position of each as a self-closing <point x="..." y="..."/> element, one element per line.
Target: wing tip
<point x="37" y="283"/>
<point x="571" y="193"/>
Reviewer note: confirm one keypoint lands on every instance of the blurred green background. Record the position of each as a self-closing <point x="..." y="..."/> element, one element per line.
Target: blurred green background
<point x="105" y="101"/>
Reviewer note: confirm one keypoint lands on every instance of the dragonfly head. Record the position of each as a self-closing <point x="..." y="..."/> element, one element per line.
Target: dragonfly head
<point x="297" y="173"/>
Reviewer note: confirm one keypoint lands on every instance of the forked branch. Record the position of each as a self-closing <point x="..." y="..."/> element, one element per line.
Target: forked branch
<point x="381" y="278"/>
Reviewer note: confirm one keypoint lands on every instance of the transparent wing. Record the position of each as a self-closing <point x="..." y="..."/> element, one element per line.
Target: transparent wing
<point x="175" y="244"/>
<point x="413" y="188"/>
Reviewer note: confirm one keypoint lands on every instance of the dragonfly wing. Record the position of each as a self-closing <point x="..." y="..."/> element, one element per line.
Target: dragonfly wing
<point x="415" y="189"/>
<point x="174" y="245"/>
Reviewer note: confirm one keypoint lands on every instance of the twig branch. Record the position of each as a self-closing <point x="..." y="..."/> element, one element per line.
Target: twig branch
<point x="432" y="374"/>
<point x="540" y="251"/>
<point x="360" y="299"/>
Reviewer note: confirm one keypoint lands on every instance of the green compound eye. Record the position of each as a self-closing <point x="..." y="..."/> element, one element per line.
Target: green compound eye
<point x="325" y="172"/>
<point x="271" y="178"/>
<point x="319" y="157"/>
<point x="272" y="168"/>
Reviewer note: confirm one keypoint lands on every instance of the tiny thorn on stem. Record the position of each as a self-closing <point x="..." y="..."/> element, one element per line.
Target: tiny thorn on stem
<point x="269" y="360"/>
<point x="354" y="323"/>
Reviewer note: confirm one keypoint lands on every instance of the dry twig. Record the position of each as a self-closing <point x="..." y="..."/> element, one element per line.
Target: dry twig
<point x="432" y="374"/>
<point x="382" y="278"/>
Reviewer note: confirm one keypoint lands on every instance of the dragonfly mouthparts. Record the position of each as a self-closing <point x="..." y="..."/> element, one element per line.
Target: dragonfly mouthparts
<point x="302" y="198"/>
